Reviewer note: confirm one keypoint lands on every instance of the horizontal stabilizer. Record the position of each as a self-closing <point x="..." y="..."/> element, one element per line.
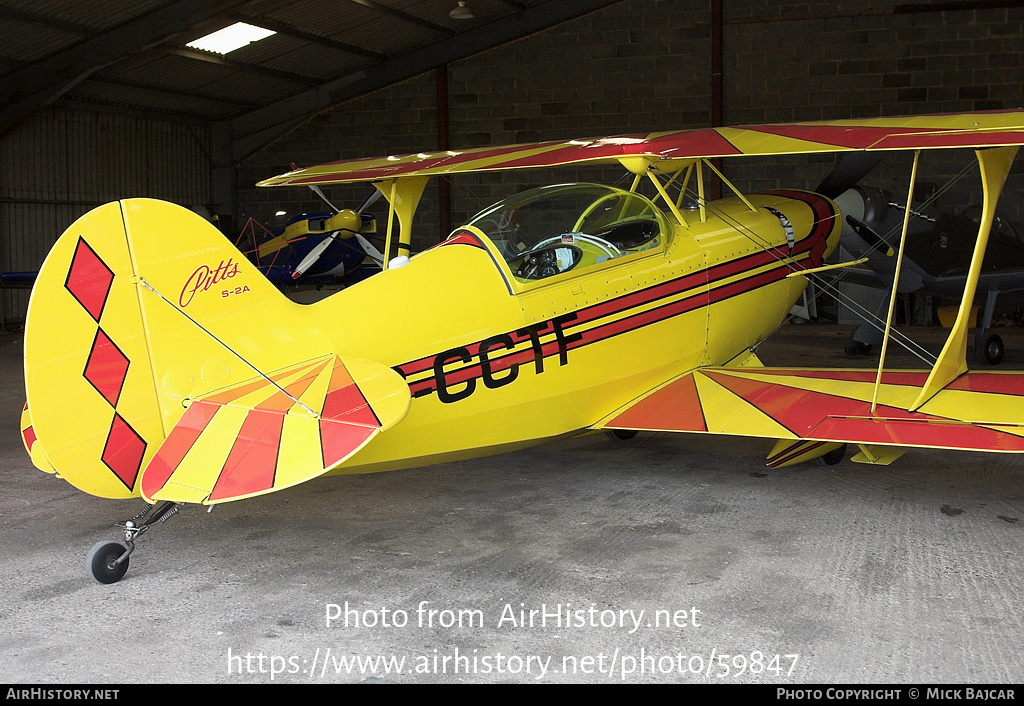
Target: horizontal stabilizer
<point x="260" y="436"/>
<point x="975" y="412"/>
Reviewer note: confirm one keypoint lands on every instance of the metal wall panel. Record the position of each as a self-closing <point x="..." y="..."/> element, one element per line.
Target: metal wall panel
<point x="61" y="163"/>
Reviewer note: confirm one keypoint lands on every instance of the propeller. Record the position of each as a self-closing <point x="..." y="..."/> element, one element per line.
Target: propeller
<point x="850" y="168"/>
<point x="316" y="190"/>
<point x="870" y="236"/>
<point x="316" y="253"/>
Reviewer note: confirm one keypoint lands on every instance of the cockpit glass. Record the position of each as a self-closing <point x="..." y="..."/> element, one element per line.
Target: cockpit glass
<point x="552" y="229"/>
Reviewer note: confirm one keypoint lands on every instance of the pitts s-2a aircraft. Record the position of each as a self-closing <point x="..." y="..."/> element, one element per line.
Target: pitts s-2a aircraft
<point x="184" y="376"/>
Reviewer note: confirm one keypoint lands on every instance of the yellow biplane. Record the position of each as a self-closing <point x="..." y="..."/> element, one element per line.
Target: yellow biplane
<point x="183" y="376"/>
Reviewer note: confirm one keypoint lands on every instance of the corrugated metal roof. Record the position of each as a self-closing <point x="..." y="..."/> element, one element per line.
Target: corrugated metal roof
<point x="26" y="42"/>
<point x="318" y="41"/>
<point x="154" y="101"/>
<point x="98" y="15"/>
<point x="320" y="62"/>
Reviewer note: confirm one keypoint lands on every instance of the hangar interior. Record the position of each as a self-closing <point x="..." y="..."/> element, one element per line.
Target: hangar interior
<point x="106" y="100"/>
<point x="870" y="575"/>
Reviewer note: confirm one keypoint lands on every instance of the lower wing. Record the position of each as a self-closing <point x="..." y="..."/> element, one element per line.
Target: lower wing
<point x="975" y="412"/>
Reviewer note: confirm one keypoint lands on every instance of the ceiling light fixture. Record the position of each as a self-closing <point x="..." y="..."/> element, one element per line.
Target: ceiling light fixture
<point x="461" y="12"/>
<point x="230" y="38"/>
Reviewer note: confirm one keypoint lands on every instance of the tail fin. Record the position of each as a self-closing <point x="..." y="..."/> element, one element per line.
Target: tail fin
<point x="140" y="305"/>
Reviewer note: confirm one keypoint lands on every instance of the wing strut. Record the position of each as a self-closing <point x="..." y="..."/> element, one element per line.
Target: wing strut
<point x="895" y="281"/>
<point x="404" y="196"/>
<point x="995" y="165"/>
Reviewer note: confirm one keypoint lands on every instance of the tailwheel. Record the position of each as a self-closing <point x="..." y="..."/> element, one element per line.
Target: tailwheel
<point x="107" y="561"/>
<point x="832" y="457"/>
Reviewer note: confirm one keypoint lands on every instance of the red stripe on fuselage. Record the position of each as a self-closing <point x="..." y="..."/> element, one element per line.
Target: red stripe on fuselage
<point x="814" y="245"/>
<point x="603" y="332"/>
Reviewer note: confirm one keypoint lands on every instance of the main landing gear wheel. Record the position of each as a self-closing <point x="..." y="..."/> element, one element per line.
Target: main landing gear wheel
<point x="992" y="350"/>
<point x="107" y="561"/>
<point x="831" y="458"/>
<point x="621" y="434"/>
<point x="857" y="348"/>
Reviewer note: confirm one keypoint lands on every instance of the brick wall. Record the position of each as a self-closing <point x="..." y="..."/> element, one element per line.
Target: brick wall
<point x="645" y="65"/>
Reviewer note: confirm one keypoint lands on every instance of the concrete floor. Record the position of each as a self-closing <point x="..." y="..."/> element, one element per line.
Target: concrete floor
<point x="852" y="574"/>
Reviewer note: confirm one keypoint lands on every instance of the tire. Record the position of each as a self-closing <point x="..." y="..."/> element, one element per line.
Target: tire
<point x="992" y="350"/>
<point x="621" y="434"/>
<point x="99" y="562"/>
<point x="857" y="349"/>
<point x="831" y="458"/>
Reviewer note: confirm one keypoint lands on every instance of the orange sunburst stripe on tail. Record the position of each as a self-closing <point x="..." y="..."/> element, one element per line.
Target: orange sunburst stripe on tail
<point x="344" y="402"/>
<point x="338" y="441"/>
<point x="283" y="401"/>
<point x="178" y="442"/>
<point x="252" y="462"/>
<point x="234" y="393"/>
<point x="256" y="438"/>
<point x="347" y="420"/>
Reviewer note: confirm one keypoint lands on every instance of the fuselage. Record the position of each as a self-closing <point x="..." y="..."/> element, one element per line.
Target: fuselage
<point x="495" y="362"/>
<point x="511" y="332"/>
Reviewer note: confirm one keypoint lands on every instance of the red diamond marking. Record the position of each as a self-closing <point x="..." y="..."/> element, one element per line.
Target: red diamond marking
<point x="30" y="437"/>
<point x="89" y="279"/>
<point x="106" y="368"/>
<point x="123" y="451"/>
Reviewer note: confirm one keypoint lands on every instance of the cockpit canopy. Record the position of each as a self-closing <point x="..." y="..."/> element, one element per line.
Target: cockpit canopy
<point x="552" y="229"/>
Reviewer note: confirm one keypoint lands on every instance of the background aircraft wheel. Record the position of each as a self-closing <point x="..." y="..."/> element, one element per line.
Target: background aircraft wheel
<point x="831" y="458"/>
<point x="992" y="350"/>
<point x="100" y="562"/>
<point x="621" y="434"/>
<point x="858" y="348"/>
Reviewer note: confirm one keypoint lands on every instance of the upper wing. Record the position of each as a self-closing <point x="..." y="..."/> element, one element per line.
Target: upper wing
<point x="257" y="437"/>
<point x="976" y="412"/>
<point x="986" y="129"/>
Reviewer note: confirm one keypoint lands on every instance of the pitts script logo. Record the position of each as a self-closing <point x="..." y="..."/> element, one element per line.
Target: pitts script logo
<point x="205" y="277"/>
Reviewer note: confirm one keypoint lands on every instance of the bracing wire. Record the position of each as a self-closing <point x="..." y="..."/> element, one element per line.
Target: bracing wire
<point x="259" y="372"/>
<point x="831" y="284"/>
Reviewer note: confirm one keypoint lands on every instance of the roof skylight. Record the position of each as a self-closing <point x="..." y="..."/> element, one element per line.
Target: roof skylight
<point x="230" y="38"/>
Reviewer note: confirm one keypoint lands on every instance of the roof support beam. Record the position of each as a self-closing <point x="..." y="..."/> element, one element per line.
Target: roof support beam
<point x="255" y="129"/>
<point x="43" y="21"/>
<point x="283" y="28"/>
<point x="165" y="90"/>
<point x="40" y="83"/>
<point x="405" y="16"/>
<point x="220" y="60"/>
